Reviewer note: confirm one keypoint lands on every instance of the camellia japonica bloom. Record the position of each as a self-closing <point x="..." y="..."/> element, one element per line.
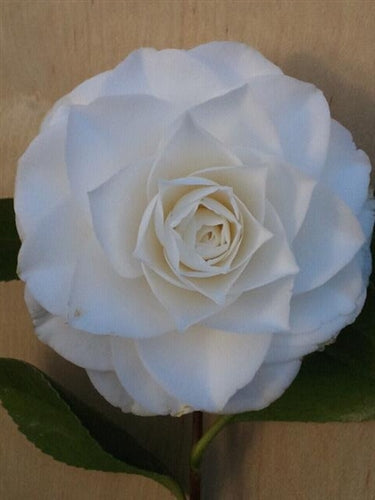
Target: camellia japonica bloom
<point x="193" y="223"/>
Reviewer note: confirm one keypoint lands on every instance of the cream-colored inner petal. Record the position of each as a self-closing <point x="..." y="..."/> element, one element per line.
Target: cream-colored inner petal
<point x="204" y="234"/>
<point x="205" y="225"/>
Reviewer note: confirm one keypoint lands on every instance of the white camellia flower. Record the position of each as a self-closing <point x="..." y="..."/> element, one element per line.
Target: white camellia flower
<point x="193" y="223"/>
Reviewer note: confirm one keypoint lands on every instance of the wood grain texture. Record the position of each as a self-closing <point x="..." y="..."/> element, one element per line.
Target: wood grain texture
<point x="47" y="48"/>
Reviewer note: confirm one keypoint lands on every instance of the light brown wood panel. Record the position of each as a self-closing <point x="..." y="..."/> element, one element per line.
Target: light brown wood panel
<point x="48" y="47"/>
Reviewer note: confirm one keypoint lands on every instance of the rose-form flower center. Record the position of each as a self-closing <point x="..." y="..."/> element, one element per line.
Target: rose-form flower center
<point x="206" y="231"/>
<point x="203" y="235"/>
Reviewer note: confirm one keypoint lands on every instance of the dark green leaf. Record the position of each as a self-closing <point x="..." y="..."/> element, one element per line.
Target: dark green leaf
<point x="9" y="241"/>
<point x="70" y="431"/>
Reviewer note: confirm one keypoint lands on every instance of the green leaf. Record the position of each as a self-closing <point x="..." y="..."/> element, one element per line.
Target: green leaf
<point x="71" y="432"/>
<point x="9" y="241"/>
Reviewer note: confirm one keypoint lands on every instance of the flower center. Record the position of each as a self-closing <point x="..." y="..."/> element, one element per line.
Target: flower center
<point x="213" y="236"/>
<point x="209" y="235"/>
<point x="206" y="233"/>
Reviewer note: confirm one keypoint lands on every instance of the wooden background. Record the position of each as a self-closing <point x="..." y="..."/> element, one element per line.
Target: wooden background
<point x="47" y="48"/>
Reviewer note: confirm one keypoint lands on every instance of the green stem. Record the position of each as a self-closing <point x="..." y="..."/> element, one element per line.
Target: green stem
<point x="200" y="446"/>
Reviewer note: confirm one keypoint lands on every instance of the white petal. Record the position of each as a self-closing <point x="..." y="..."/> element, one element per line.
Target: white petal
<point x="254" y="236"/>
<point x="237" y="119"/>
<point x="234" y="63"/>
<point x="287" y="188"/>
<point x="169" y="74"/>
<point x="301" y="116"/>
<point x="49" y="255"/>
<point x="103" y="302"/>
<point x="149" y="249"/>
<point x="138" y="382"/>
<point x="264" y="309"/>
<point x="109" y="134"/>
<point x="285" y="348"/>
<point x="128" y="77"/>
<point x="317" y="316"/>
<point x="203" y="367"/>
<point x="347" y="169"/>
<point x="81" y="348"/>
<point x="290" y="191"/>
<point x="336" y="297"/>
<point x="109" y="386"/>
<point x="86" y="92"/>
<point x="216" y="287"/>
<point x="186" y="307"/>
<point x="269" y="383"/>
<point x="117" y="208"/>
<point x="41" y="182"/>
<point x="367" y="218"/>
<point x="186" y="202"/>
<point x="189" y="149"/>
<point x="173" y="190"/>
<point x="328" y="239"/>
<point x="272" y="261"/>
<point x="327" y="333"/>
<point x="248" y="183"/>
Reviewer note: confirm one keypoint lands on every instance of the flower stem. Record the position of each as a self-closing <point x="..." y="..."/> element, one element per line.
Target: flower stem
<point x="200" y="445"/>
<point x="195" y="476"/>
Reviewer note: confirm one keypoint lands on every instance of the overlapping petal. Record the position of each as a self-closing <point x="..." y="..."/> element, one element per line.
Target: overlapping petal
<point x="238" y="120"/>
<point x="234" y="63"/>
<point x="109" y="386"/>
<point x="317" y="316"/>
<point x="189" y="149"/>
<point x="85" y="93"/>
<point x="336" y="297"/>
<point x="185" y="306"/>
<point x="301" y="116"/>
<point x="289" y="191"/>
<point x="138" y="382"/>
<point x="110" y="134"/>
<point x="347" y="168"/>
<point x="187" y="365"/>
<point x="276" y="252"/>
<point x="102" y="302"/>
<point x="169" y="74"/>
<point x="42" y="182"/>
<point x="77" y="346"/>
<point x="123" y="197"/>
<point x="248" y="183"/>
<point x="48" y="257"/>
<point x="289" y="347"/>
<point x="331" y="230"/>
<point x="264" y="309"/>
<point x="268" y="384"/>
